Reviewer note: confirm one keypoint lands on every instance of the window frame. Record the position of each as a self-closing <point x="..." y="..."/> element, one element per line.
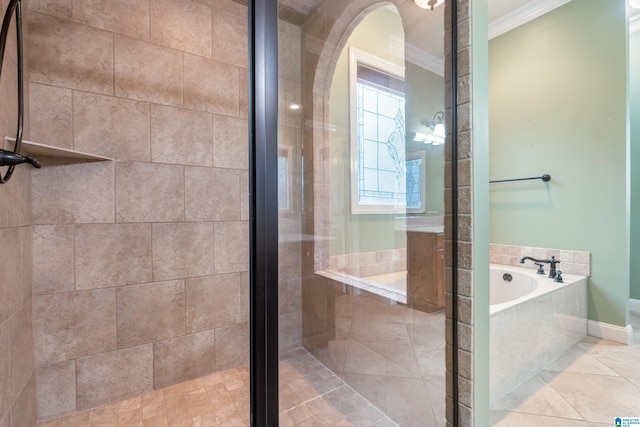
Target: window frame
<point x="357" y="56"/>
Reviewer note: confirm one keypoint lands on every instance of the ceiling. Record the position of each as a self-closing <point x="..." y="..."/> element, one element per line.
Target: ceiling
<point x="498" y="9"/>
<point x="503" y="16"/>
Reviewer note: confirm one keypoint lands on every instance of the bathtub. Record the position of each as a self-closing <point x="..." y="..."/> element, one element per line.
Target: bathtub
<point x="534" y="320"/>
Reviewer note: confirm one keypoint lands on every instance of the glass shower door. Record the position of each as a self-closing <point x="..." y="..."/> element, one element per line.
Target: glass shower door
<point x="360" y="214"/>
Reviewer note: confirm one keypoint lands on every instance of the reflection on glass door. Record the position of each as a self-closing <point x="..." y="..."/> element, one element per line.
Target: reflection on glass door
<point x="361" y="207"/>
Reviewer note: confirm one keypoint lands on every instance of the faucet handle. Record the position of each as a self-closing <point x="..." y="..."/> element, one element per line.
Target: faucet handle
<point x="558" y="277"/>
<point x="540" y="268"/>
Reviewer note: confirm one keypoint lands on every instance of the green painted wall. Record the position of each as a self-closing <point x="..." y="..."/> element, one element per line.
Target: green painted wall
<point x="634" y="100"/>
<point x="380" y="33"/>
<point x="557" y="105"/>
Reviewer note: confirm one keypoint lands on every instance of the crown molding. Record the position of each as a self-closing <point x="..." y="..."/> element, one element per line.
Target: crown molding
<point x="424" y="59"/>
<point x="522" y="15"/>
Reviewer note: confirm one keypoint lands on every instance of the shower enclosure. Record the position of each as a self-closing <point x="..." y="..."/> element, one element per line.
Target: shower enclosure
<point x="358" y="197"/>
<point x="166" y="267"/>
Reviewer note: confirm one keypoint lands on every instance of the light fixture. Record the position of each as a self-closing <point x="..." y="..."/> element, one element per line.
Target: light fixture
<point x="428" y="4"/>
<point x="294" y="106"/>
<point x="634" y="4"/>
<point x="427" y="139"/>
<point x="420" y="137"/>
<point x="437" y="126"/>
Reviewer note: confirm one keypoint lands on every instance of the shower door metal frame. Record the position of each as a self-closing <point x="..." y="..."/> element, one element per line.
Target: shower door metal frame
<point x="263" y="189"/>
<point x="453" y="147"/>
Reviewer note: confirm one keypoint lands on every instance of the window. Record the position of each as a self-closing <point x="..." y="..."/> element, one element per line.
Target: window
<point x="382" y="179"/>
<point x="284" y="178"/>
<point x="415" y="186"/>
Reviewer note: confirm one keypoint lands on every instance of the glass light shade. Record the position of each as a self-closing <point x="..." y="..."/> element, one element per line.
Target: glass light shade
<point x="439" y="131"/>
<point x="425" y="3"/>
<point x="420" y="137"/>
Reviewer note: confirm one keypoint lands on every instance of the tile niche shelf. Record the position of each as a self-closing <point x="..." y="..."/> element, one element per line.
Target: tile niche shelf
<point x="35" y="149"/>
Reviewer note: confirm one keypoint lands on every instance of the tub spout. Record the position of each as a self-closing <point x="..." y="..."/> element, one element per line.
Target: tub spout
<point x="552" y="263"/>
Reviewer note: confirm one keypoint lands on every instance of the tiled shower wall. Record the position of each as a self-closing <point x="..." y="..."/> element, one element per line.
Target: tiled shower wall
<point x="17" y="380"/>
<point x="140" y="269"/>
<point x="290" y="224"/>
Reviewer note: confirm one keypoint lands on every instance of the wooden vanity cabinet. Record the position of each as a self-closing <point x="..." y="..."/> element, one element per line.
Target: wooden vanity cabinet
<point x="425" y="271"/>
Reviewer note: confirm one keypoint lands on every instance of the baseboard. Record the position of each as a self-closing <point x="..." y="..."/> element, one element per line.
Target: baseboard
<point x="607" y="331"/>
<point x="634" y="304"/>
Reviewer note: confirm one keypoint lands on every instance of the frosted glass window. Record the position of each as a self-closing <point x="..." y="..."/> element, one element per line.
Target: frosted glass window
<point x="380" y="141"/>
<point x="384" y="179"/>
<point x="283" y="179"/>
<point x="414" y="183"/>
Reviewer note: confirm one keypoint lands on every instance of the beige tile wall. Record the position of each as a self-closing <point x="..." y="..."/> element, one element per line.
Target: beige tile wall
<point x="290" y="224"/>
<point x="17" y="377"/>
<point x="141" y="264"/>
<point x="571" y="262"/>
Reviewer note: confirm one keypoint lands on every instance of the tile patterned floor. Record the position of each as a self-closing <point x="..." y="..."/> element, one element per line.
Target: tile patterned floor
<point x="588" y="386"/>
<point x="311" y="395"/>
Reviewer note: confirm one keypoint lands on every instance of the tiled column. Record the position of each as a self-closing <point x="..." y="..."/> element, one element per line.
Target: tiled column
<point x="465" y="221"/>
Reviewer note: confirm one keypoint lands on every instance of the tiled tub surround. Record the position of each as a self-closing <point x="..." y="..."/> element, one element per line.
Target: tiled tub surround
<point x="535" y="329"/>
<point x="571" y="262"/>
<point x="588" y="386"/>
<point x="140" y="265"/>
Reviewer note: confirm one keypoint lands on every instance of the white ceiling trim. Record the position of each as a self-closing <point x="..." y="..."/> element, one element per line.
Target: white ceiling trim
<point x="634" y="24"/>
<point x="522" y="15"/>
